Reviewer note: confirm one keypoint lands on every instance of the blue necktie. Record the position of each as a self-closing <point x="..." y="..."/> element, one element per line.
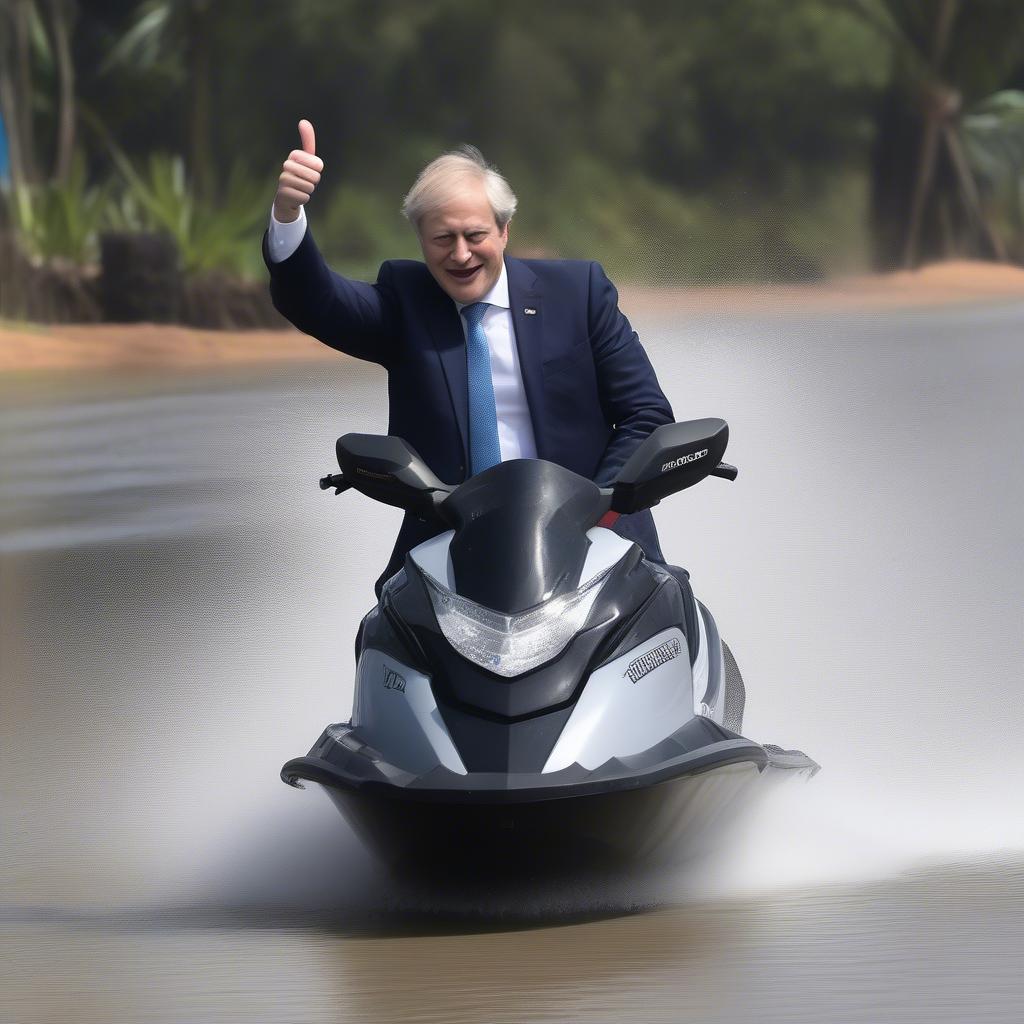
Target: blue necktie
<point x="484" y="451"/>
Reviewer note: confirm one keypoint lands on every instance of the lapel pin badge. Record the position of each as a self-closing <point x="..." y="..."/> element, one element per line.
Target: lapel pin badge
<point x="530" y="312"/>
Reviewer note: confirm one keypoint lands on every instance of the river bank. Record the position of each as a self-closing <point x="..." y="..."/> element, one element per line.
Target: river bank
<point x="62" y="347"/>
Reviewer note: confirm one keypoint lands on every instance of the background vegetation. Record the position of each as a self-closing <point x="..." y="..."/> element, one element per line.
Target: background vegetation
<point x="704" y="141"/>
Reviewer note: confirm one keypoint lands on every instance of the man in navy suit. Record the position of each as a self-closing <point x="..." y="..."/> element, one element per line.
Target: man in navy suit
<point x="559" y="374"/>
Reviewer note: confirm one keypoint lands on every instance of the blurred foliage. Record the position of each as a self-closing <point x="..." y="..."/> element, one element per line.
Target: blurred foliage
<point x="60" y="222"/>
<point x="984" y="45"/>
<point x="944" y="54"/>
<point x="357" y="228"/>
<point x="705" y="141"/>
<point x="209" y="235"/>
<point x="665" y="140"/>
<point x="994" y="136"/>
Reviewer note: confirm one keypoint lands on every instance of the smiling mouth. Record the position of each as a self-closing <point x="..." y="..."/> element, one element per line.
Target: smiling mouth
<point x="464" y="275"/>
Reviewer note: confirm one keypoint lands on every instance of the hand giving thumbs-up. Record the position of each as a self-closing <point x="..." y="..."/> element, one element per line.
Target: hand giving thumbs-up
<point x="299" y="176"/>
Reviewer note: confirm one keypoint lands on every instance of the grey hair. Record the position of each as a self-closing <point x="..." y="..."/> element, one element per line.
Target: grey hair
<point x="441" y="179"/>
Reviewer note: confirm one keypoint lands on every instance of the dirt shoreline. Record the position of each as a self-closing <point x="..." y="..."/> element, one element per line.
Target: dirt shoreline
<point x="46" y="347"/>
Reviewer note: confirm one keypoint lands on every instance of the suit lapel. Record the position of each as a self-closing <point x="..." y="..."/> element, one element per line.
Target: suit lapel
<point x="445" y="328"/>
<point x="524" y="294"/>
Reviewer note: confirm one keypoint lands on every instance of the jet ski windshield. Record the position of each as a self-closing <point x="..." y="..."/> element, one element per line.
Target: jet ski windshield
<point x="521" y="533"/>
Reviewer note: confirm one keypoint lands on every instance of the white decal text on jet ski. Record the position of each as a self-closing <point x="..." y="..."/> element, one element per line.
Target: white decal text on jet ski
<point x="639" y="667"/>
<point x="683" y="460"/>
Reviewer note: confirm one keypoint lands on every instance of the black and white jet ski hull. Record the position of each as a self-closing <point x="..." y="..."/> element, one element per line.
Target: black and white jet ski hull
<point x="660" y="807"/>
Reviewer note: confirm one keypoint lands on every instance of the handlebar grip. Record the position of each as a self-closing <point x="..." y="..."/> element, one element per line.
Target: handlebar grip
<point x="725" y="471"/>
<point x="335" y="480"/>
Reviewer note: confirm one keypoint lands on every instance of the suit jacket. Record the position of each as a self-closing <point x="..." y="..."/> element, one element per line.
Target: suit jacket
<point x="591" y="390"/>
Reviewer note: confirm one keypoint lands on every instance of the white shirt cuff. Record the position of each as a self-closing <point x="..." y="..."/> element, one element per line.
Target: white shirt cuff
<point x="284" y="238"/>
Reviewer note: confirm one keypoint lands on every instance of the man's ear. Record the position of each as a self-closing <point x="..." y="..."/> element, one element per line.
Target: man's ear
<point x="504" y="232"/>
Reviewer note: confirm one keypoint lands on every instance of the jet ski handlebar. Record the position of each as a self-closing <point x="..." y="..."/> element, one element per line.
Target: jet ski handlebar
<point x="670" y="459"/>
<point x="335" y="480"/>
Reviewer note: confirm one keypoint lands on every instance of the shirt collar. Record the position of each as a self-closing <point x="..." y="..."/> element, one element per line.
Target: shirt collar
<point x="497" y="296"/>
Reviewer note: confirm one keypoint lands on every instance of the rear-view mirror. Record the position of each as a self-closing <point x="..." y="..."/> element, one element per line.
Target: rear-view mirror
<point x="389" y="470"/>
<point x="672" y="458"/>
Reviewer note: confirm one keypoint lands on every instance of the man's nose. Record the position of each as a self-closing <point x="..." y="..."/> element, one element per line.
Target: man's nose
<point x="461" y="253"/>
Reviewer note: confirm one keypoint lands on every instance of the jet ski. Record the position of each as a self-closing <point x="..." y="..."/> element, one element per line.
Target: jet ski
<point x="530" y="689"/>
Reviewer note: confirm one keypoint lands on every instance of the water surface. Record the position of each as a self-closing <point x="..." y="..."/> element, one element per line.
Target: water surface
<point x="177" y="605"/>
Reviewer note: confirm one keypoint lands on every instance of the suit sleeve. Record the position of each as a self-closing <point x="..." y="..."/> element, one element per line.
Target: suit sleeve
<point x="354" y="317"/>
<point x="632" y="400"/>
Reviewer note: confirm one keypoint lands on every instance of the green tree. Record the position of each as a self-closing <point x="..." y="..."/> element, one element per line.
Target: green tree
<point x="37" y="74"/>
<point x="947" y="57"/>
<point x="184" y="35"/>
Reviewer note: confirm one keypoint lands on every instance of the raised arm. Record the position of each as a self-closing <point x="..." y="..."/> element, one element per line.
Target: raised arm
<point x="351" y="316"/>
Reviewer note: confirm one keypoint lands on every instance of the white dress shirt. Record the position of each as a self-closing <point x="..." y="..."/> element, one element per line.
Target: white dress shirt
<point x="515" y="428"/>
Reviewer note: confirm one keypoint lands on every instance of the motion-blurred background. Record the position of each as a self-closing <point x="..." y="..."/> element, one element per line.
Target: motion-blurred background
<point x="707" y="141"/>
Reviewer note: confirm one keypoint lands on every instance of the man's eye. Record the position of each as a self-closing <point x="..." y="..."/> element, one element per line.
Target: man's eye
<point x="476" y="236"/>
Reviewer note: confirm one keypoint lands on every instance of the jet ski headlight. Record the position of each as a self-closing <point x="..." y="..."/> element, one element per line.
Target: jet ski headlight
<point x="509" y="645"/>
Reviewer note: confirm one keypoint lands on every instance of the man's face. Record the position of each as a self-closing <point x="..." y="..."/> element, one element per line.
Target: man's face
<point x="462" y="244"/>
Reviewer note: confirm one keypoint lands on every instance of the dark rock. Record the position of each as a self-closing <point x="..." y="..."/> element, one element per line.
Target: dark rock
<point x="140" y="278"/>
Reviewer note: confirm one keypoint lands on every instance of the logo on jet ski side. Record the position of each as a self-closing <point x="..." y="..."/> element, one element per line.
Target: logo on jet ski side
<point x="639" y="667"/>
<point x="683" y="460"/>
<point x="393" y="681"/>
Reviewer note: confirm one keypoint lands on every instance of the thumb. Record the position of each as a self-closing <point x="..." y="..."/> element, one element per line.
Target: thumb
<point x="308" y="136"/>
